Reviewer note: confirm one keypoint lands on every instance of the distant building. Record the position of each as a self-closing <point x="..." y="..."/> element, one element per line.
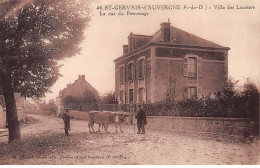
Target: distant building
<point x="76" y="89"/>
<point x="31" y="106"/>
<point x="170" y="63"/>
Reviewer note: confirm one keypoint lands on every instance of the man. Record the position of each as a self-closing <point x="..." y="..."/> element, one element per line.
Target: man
<point x="66" y="119"/>
<point x="141" y="119"/>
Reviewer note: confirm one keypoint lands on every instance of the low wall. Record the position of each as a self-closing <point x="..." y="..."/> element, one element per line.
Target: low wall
<point x="20" y="113"/>
<point x="81" y="115"/>
<point x="221" y="126"/>
<point x="241" y="127"/>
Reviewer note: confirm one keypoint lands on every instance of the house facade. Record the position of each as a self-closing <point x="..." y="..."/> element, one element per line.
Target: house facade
<point x="76" y="89"/>
<point x="170" y="63"/>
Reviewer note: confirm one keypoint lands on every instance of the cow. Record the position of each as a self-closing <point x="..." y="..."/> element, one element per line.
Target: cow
<point x="101" y="118"/>
<point x="105" y="118"/>
<point x="119" y="118"/>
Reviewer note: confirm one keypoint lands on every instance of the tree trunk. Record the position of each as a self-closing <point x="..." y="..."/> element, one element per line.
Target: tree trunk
<point x="11" y="111"/>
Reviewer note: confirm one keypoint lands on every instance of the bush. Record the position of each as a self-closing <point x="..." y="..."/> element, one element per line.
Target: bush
<point x="228" y="103"/>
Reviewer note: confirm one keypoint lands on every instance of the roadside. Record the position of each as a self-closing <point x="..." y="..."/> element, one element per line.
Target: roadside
<point x="44" y="142"/>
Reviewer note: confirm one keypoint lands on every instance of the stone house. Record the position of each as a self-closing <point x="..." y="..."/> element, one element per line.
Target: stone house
<point x="76" y="89"/>
<point x="170" y="63"/>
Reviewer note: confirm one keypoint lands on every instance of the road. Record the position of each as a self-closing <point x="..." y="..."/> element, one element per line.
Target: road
<point x="44" y="142"/>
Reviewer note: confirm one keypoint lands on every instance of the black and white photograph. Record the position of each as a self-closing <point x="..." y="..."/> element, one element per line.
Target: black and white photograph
<point x="129" y="82"/>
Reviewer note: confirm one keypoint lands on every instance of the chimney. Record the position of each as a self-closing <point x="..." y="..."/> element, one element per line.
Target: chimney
<point x="82" y="77"/>
<point x="125" y="49"/>
<point x="166" y="31"/>
<point x="131" y="42"/>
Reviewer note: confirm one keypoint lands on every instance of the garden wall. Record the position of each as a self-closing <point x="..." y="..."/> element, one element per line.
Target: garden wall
<point x="241" y="127"/>
<point x="81" y="115"/>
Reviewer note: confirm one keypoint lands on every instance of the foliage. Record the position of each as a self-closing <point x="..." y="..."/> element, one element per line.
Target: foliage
<point x="89" y="101"/>
<point x="34" y="36"/>
<point x="51" y="106"/>
<point x="228" y="103"/>
<point x="108" y="98"/>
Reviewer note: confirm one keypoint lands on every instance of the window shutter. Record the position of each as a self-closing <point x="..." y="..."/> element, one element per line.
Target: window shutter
<point x="199" y="68"/>
<point x="124" y="74"/>
<point x="125" y="97"/>
<point x="134" y="71"/>
<point x="199" y="92"/>
<point x="185" y="66"/>
<point x="144" y="67"/>
<point x="137" y="70"/>
<point x="145" y="95"/>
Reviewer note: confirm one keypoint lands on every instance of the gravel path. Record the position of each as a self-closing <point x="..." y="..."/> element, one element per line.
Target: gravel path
<point x="44" y="142"/>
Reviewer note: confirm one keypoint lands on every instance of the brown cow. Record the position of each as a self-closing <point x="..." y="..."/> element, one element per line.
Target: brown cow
<point x="119" y="118"/>
<point x="101" y="118"/>
<point x="105" y="118"/>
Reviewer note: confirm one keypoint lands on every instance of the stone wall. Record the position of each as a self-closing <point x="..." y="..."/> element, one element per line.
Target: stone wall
<point x="240" y="127"/>
<point x="81" y="115"/>
<point x="20" y="112"/>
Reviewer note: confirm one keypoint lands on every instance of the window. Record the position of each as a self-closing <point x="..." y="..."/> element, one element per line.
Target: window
<point x="131" y="95"/>
<point x="141" y="68"/>
<point x="121" y="96"/>
<point x="130" y="69"/>
<point x="122" y="74"/>
<point x="192" y="67"/>
<point x="142" y="95"/>
<point x="192" y="92"/>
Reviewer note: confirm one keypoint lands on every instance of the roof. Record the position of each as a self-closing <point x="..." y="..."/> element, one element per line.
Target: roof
<point x="178" y="38"/>
<point x="78" y="88"/>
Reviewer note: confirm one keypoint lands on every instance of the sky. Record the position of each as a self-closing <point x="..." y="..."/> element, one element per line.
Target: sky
<point x="238" y="29"/>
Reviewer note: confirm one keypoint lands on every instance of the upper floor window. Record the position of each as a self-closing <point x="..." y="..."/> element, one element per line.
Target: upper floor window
<point x="122" y="73"/>
<point x="130" y="69"/>
<point x="141" y="68"/>
<point x="192" y="67"/>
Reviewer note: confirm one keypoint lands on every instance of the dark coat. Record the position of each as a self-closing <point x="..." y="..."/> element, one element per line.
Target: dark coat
<point x="66" y="119"/>
<point x="141" y="118"/>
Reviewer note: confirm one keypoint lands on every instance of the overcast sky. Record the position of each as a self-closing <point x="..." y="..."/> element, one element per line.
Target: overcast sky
<point x="105" y="36"/>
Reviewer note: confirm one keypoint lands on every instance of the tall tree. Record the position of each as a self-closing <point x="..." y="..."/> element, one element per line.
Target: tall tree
<point x="34" y="36"/>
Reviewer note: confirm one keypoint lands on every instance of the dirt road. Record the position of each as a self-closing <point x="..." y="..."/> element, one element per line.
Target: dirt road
<point x="44" y="142"/>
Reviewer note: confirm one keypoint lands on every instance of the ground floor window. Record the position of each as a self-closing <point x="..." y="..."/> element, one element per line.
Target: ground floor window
<point x="131" y="95"/>
<point x="192" y="92"/>
<point x="142" y="95"/>
<point x="121" y="97"/>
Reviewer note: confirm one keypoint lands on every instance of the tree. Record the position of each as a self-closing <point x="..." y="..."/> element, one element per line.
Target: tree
<point x="230" y="88"/>
<point x="34" y="36"/>
<point x="108" y="98"/>
<point x="250" y="95"/>
<point x="87" y="101"/>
